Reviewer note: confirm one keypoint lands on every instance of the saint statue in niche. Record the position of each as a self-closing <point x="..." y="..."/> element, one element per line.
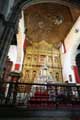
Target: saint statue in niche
<point x="27" y="75"/>
<point x="33" y="75"/>
<point x="57" y="76"/>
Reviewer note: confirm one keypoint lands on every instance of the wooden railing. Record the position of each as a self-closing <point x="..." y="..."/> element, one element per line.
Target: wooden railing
<point x="35" y="95"/>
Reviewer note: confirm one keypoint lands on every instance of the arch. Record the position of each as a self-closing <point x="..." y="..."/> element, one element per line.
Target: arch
<point x="22" y="4"/>
<point x="6" y="9"/>
<point x="28" y="3"/>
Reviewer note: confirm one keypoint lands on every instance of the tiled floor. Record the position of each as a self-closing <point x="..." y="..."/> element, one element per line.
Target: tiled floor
<point x="36" y="118"/>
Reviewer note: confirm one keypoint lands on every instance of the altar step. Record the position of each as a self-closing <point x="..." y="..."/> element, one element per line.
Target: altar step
<point x="44" y="101"/>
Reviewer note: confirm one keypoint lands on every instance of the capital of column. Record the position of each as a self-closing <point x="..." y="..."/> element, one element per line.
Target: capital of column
<point x="15" y="76"/>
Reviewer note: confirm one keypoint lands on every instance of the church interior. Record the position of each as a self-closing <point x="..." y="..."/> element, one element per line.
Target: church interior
<point x="42" y="67"/>
<point x="43" y="32"/>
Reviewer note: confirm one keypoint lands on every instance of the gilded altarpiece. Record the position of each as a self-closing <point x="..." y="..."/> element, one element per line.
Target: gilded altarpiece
<point x="38" y="55"/>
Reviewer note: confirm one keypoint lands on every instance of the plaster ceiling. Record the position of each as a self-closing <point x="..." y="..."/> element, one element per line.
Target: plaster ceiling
<point x="49" y="21"/>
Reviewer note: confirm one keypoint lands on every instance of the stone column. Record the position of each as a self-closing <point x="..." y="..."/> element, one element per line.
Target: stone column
<point x="5" y="43"/>
<point x="9" y="30"/>
<point x="6" y="29"/>
<point x="1" y="25"/>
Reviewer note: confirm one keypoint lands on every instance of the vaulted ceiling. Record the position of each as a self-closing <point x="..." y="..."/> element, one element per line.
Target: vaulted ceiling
<point x="49" y="21"/>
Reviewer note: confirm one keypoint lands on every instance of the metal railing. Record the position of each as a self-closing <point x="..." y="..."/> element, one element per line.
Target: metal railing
<point x="33" y="95"/>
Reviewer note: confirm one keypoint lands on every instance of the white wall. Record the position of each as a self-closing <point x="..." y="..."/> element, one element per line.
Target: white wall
<point x="20" y="42"/>
<point x="16" y="53"/>
<point x="13" y="54"/>
<point x="71" y="43"/>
